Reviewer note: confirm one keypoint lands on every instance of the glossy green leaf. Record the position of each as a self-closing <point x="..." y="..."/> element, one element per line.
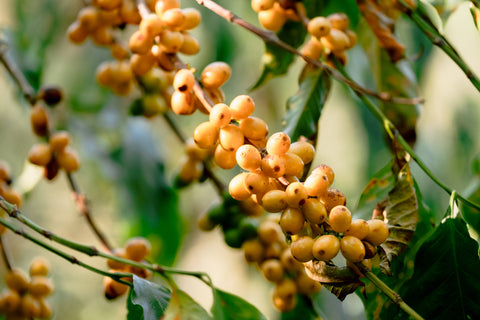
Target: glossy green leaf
<point x="147" y="300"/>
<point x="150" y="203"/>
<point x="305" y="107"/>
<point x="227" y="306"/>
<point x="445" y="282"/>
<point x="431" y="14"/>
<point x="183" y="307"/>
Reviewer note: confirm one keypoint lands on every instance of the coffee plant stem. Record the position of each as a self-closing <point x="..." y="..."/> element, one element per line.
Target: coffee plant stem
<point x="427" y="27"/>
<point x="68" y="257"/>
<point x="390" y="293"/>
<point x="5" y="256"/>
<point x="395" y="136"/>
<point x="29" y="94"/>
<point x="271" y="38"/>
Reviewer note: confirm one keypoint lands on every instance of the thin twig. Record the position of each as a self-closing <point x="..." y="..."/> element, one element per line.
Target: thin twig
<point x="5" y="256"/>
<point x="391" y="294"/>
<point x="270" y="37"/>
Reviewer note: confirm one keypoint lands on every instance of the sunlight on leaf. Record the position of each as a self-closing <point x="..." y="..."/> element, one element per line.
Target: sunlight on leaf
<point x="183" y="307"/>
<point x="147" y="300"/>
<point x="227" y="306"/>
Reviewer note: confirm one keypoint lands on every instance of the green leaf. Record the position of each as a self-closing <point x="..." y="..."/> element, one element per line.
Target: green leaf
<point x="182" y="306"/>
<point x="472" y="215"/>
<point x="151" y="204"/>
<point x="303" y="307"/>
<point x="305" y="107"/>
<point x="430" y="14"/>
<point x="147" y="300"/>
<point x="227" y="306"/>
<point x="445" y="282"/>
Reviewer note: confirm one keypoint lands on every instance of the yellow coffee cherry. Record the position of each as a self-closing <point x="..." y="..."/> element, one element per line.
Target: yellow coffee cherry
<point x="113" y="289"/>
<point x="248" y="157"/>
<point x="184" y="80"/>
<point x="289" y="263"/>
<point x="40" y="286"/>
<point x="296" y="194"/>
<point x="220" y="115"/>
<point x="256" y="182"/>
<point x="286" y="288"/>
<point x="302" y="249"/>
<point x="352" y="249"/>
<point x="340" y="218"/>
<point x="224" y="159"/>
<point x="272" y="19"/>
<point x="40" y="154"/>
<point x="303" y="149"/>
<point x="88" y="17"/>
<point x="140" y="43"/>
<point x="378" y="232"/>
<point x="115" y="265"/>
<point x="11" y="195"/>
<point x="153" y="104"/>
<point x="191" y="170"/>
<point x="333" y="197"/>
<point x="163" y="5"/>
<point x="137" y="248"/>
<point x="292" y="221"/>
<point x="293" y="165"/>
<point x="237" y="188"/>
<point x="205" y="135"/>
<point x="325" y="169"/>
<point x="45" y="309"/>
<point x="274" y="250"/>
<point x="319" y="27"/>
<point x="30" y="307"/>
<point x="59" y="140"/>
<point x="339" y="21"/>
<point x="9" y="301"/>
<point x="269" y="232"/>
<point x="182" y="102"/>
<point x="39" y="120"/>
<point x="77" y="33"/>
<point x="274" y="201"/>
<point x="192" y="18"/>
<point x="16" y="279"/>
<point x="254" y="128"/>
<point x="39" y="267"/>
<point x="314" y="211"/>
<point x="68" y="160"/>
<point x="272" y="270"/>
<point x="171" y="41"/>
<point x="317" y="184"/>
<point x="336" y="40"/>
<point x="242" y="107"/>
<point x="284" y="305"/>
<point x="190" y="45"/>
<point x="231" y="137"/>
<point x="273" y="166"/>
<point x="312" y="49"/>
<point x="253" y="250"/>
<point x="358" y="228"/>
<point x="278" y="143"/>
<point x="4" y="171"/>
<point x="326" y="247"/>
<point x="306" y="285"/>
<point x="262" y="5"/>
<point x="151" y="25"/>
<point x="173" y="18"/>
<point x="215" y="75"/>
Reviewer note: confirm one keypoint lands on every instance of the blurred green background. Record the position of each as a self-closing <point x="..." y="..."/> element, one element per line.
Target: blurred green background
<point x="116" y="148"/>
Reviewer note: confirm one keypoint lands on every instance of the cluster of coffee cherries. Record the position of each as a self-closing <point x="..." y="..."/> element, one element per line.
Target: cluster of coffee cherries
<point x="6" y="191"/>
<point x="25" y="295"/>
<point x="273" y="14"/>
<point x="55" y="153"/>
<point x="162" y="33"/>
<point x="135" y="249"/>
<point x="329" y="36"/>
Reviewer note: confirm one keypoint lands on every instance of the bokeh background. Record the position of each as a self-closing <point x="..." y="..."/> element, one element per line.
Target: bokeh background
<point x="350" y="140"/>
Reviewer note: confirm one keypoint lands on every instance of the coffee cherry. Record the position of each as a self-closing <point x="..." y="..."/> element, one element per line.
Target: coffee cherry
<point x="164" y="59"/>
<point x="370" y="250"/>
<point x="88" y="17"/>
<point x="4" y="171"/>
<point x="312" y="49"/>
<point x="191" y="170"/>
<point x="242" y="107"/>
<point x="272" y="19"/>
<point x="269" y="232"/>
<point x="137" y="248"/>
<point x="231" y="137"/>
<point x="115" y="265"/>
<point x="284" y="305"/>
<point x="333" y="197"/>
<point x="183" y="80"/>
<point x="237" y="188"/>
<point x="248" y="157"/>
<point x="173" y="18"/>
<point x="306" y="285"/>
<point x="339" y="21"/>
<point x="190" y="45"/>
<point x="77" y="33"/>
<point x="293" y="165"/>
<point x="40" y="286"/>
<point x="30" y="307"/>
<point x="324" y="169"/>
<point x="224" y="159"/>
<point x="304" y="150"/>
<point x="39" y="120"/>
<point x="16" y="279"/>
<point x="253" y="250"/>
<point x="68" y="160"/>
<point x="251" y="208"/>
<point x="220" y="115"/>
<point x="278" y="143"/>
<point x="319" y="27"/>
<point x="40" y="154"/>
<point x="113" y="289"/>
<point x="11" y="195"/>
<point x="285" y="289"/>
<point x="262" y="5"/>
<point x="273" y="166"/>
<point x="296" y="194"/>
<point x="352" y="249"/>
<point x="314" y="211"/>
<point x="358" y="229"/>
<point x="336" y="40"/>
<point x="154" y="104"/>
<point x="192" y="18"/>
<point x="171" y="41"/>
<point x="256" y="182"/>
<point x="378" y="232"/>
<point x="272" y="270"/>
<point x="302" y="249"/>
<point x="253" y="128"/>
<point x="182" y="103"/>
<point x="205" y="135"/>
<point x="215" y="74"/>
<point x="140" y="43"/>
<point x="340" y="218"/>
<point x="317" y="184"/>
<point x="108" y="4"/>
<point x="292" y="221"/>
<point x="164" y="5"/>
<point x="274" y="201"/>
<point x="326" y="247"/>
<point x="52" y="95"/>
<point x="151" y="25"/>
<point x="289" y="263"/>
<point x="9" y="301"/>
<point x="39" y="267"/>
<point x="59" y="140"/>
<point x="45" y="309"/>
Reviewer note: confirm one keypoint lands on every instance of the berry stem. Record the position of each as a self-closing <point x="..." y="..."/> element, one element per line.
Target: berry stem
<point x="395" y="136"/>
<point x="271" y="38"/>
<point x="5" y="255"/>
<point x="390" y="293"/>
<point x="428" y="28"/>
